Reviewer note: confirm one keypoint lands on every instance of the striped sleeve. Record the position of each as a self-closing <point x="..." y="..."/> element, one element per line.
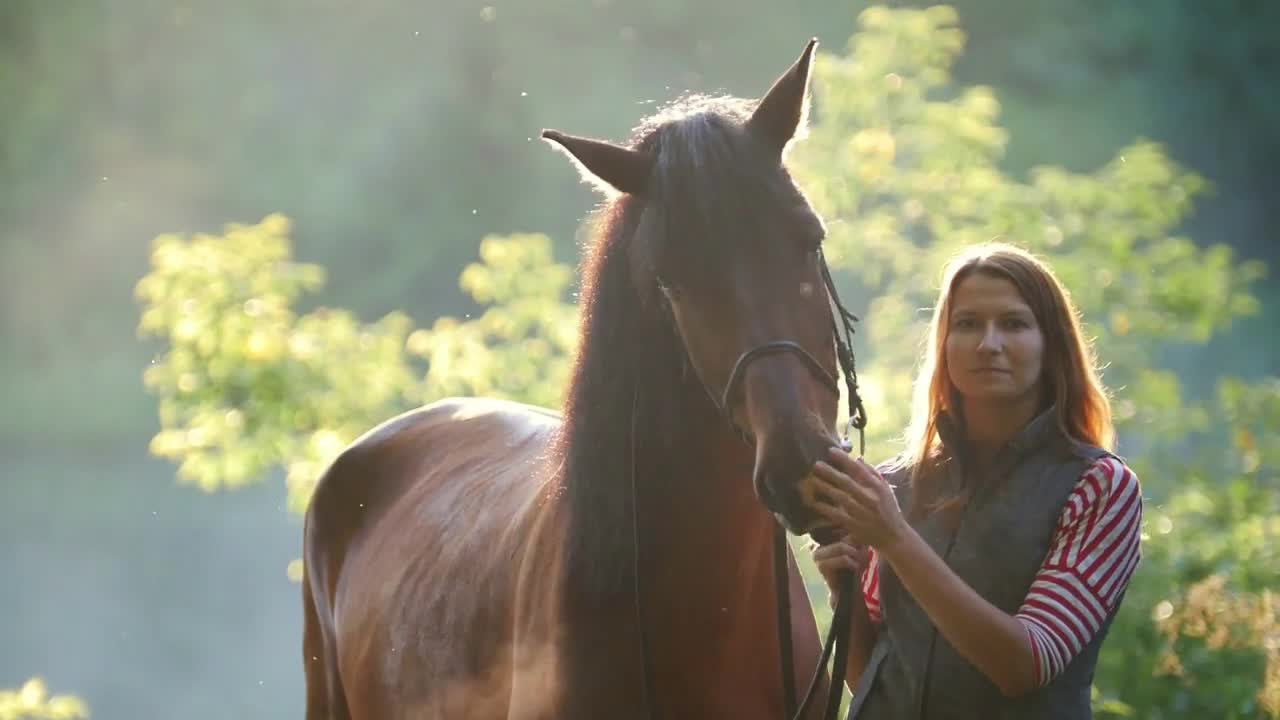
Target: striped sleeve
<point x="871" y="585"/>
<point x="1092" y="555"/>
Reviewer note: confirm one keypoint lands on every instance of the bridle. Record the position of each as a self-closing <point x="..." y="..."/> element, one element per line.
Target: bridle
<point x="841" y="320"/>
<point x="838" y="635"/>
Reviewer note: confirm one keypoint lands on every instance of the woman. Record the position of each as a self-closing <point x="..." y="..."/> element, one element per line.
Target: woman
<point x="995" y="551"/>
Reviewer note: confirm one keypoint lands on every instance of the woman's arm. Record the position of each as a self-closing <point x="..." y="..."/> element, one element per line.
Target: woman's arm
<point x="1092" y="556"/>
<point x="997" y="643"/>
<point x="1094" y="552"/>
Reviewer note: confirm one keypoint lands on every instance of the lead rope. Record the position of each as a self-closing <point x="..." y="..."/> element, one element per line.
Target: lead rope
<point x="837" y="641"/>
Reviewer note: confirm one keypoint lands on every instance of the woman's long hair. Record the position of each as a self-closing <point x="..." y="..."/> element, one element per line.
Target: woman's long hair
<point x="1069" y="376"/>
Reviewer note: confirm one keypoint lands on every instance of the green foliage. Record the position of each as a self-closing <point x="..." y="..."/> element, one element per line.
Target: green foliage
<point x="519" y="347"/>
<point x="33" y="702"/>
<point x="247" y="383"/>
<point x="1211" y="561"/>
<point x="1104" y="706"/>
<point x="906" y="168"/>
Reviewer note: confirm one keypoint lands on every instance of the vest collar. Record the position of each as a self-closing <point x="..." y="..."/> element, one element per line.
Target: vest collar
<point x="1039" y="432"/>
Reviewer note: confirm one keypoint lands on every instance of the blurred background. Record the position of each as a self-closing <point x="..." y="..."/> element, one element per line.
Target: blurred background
<point x="371" y="152"/>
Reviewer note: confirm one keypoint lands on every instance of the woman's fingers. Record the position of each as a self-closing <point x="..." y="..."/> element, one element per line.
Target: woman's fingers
<point x="833" y="558"/>
<point x="859" y="471"/>
<point x="831" y="566"/>
<point x="832" y="476"/>
<point x="851" y="475"/>
<point x="847" y="514"/>
<point x="855" y="524"/>
<point x="835" y="514"/>
<point x="834" y="550"/>
<point x="846" y="490"/>
<point x="841" y="554"/>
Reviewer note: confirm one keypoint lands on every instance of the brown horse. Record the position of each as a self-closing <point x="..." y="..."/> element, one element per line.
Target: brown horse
<point x="483" y="559"/>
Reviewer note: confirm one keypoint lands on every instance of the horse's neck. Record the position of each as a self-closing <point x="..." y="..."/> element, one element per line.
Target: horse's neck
<point x="706" y="562"/>
<point x="702" y="505"/>
<point x="704" y="581"/>
<point x="704" y="535"/>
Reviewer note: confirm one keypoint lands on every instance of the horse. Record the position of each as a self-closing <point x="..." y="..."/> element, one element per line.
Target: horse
<point x="482" y="558"/>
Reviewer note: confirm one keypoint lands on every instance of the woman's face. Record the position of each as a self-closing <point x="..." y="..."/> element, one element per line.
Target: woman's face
<point x="994" y="345"/>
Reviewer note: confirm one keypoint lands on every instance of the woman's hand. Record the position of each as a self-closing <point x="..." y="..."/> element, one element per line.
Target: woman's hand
<point x="842" y="555"/>
<point x="855" y="498"/>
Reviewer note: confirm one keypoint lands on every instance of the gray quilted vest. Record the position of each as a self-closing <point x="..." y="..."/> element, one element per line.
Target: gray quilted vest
<point x="1001" y="540"/>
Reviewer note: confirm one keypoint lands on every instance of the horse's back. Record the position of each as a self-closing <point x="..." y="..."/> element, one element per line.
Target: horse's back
<point x="419" y="529"/>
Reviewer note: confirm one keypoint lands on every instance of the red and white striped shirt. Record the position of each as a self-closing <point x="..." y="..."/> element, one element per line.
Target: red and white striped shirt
<point x="1092" y="556"/>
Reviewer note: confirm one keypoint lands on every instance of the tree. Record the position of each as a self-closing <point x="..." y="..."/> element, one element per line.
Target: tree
<point x="247" y="383"/>
<point x="33" y="702"/>
<point x="906" y="169"/>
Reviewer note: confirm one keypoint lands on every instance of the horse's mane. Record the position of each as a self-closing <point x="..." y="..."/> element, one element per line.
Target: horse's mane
<point x="708" y="179"/>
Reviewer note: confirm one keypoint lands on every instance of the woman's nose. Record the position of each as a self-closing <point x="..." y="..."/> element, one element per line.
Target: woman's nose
<point x="991" y="341"/>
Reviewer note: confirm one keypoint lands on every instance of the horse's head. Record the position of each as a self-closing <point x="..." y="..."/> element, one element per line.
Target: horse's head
<point x="724" y="238"/>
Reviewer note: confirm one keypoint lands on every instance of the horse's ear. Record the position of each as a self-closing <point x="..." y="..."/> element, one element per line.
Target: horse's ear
<point x="783" y="112"/>
<point x="622" y="169"/>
